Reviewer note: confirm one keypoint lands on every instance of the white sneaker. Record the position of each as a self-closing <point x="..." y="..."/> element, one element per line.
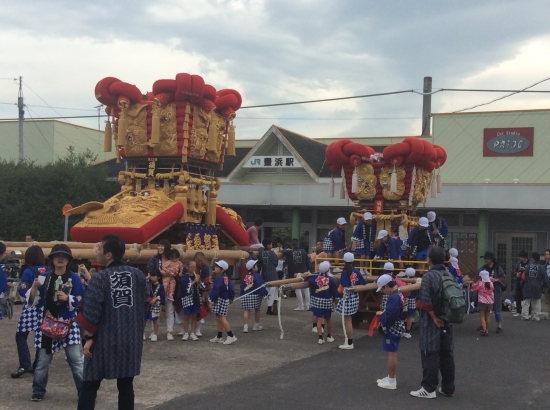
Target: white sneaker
<point x="422" y="393"/>
<point x="185" y="336"/>
<point x="382" y="380"/>
<point x="169" y="336"/>
<point x="193" y="337"/>
<point x="299" y="308"/>
<point x="345" y="346"/>
<point x="144" y="337"/>
<point x="516" y="314"/>
<point x="387" y="384"/>
<point x="198" y="333"/>
<point x="217" y="340"/>
<point x="257" y="328"/>
<point x="314" y="330"/>
<point x="245" y="329"/>
<point x="321" y="341"/>
<point x="407" y="335"/>
<point x="153" y="338"/>
<point x="284" y="296"/>
<point x="230" y="340"/>
<point x="330" y="339"/>
<point x="151" y="335"/>
<point x="181" y="333"/>
<point x="536" y="319"/>
<point x="202" y="322"/>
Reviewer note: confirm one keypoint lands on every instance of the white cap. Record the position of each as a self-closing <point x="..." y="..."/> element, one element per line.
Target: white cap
<point x="410" y="272"/>
<point x="341" y="221"/>
<point x="367" y="216"/>
<point x="484" y="276"/>
<point x="250" y="264"/>
<point x="388" y="266"/>
<point x="222" y="264"/>
<point x="424" y="222"/>
<point x="383" y="281"/>
<point x="453" y="252"/>
<point x="382" y="234"/>
<point x="431" y="216"/>
<point x="348" y="257"/>
<point x="324" y="267"/>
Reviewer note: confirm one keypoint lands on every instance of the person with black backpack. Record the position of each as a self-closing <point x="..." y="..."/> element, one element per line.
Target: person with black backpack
<point x="436" y="334"/>
<point x="31" y="315"/>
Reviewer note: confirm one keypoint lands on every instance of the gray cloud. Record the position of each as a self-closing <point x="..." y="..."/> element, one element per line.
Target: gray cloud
<point x="278" y="51"/>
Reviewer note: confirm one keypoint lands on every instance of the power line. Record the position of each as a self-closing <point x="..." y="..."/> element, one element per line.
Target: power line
<point x="329" y="119"/>
<point x="61" y="108"/>
<point x="39" y="130"/>
<point x="512" y="92"/>
<point x="503" y="97"/>
<point x="45" y="102"/>
<point x="328" y="99"/>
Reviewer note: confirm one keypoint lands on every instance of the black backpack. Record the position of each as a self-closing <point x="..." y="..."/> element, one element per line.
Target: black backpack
<point x="451" y="305"/>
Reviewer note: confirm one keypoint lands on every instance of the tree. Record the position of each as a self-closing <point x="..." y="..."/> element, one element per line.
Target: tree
<point x="31" y="196"/>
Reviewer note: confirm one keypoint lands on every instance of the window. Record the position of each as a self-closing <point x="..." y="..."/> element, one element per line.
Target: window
<point x="470" y="220"/>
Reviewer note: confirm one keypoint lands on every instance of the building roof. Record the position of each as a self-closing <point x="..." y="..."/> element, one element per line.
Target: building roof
<point x="311" y="151"/>
<point x="231" y="162"/>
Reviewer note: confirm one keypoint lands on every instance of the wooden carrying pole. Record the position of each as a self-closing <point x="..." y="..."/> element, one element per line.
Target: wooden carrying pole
<point x="275" y="283"/>
<point x="336" y="277"/>
<point x="374" y="286"/>
<point x="133" y="254"/>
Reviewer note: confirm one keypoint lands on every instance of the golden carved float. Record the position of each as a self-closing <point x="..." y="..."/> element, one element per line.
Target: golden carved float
<point x="389" y="184"/>
<point x="172" y="140"/>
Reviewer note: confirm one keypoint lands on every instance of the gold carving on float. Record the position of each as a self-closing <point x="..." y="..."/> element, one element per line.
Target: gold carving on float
<point x="130" y="210"/>
<point x="422" y="185"/>
<point x="135" y="141"/>
<point x="199" y="133"/>
<point x="215" y="130"/>
<point x="168" y="144"/>
<point x="385" y="177"/>
<point x="366" y="182"/>
<point x="235" y="216"/>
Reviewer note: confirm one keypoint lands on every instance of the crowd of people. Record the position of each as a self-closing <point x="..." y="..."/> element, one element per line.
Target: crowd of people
<point x="100" y="318"/>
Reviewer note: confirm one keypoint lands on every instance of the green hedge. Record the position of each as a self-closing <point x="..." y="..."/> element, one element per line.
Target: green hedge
<point x="32" y="196"/>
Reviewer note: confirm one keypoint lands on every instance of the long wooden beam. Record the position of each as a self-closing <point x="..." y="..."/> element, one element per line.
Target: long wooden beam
<point x="136" y="255"/>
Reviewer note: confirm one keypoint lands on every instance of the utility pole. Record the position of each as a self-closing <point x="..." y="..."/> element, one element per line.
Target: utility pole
<point x="20" y="105"/>
<point x="426" y="106"/>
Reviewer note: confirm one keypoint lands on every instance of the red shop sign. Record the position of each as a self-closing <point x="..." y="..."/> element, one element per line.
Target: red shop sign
<point x="508" y="142"/>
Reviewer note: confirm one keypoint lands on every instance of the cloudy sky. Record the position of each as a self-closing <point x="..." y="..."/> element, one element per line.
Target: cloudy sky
<point x="280" y="51"/>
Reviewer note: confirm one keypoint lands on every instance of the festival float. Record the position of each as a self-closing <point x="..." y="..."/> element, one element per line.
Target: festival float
<point x="389" y="184"/>
<point x="172" y="139"/>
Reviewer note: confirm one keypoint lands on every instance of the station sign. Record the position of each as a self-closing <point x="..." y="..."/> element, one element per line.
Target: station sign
<point x="272" y="161"/>
<point x="508" y="142"/>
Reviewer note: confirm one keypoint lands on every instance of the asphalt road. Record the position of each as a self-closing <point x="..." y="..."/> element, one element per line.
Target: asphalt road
<point x="504" y="371"/>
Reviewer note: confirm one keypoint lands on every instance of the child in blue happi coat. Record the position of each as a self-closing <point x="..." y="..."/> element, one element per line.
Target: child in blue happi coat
<point x="191" y="288"/>
<point x="324" y="294"/>
<point x="392" y="323"/>
<point x="252" y="292"/>
<point x="410" y="302"/>
<point x="156" y="300"/>
<point x="350" y="277"/>
<point x="223" y="293"/>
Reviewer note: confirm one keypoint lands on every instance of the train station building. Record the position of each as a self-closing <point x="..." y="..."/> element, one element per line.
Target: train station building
<point x="495" y="193"/>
